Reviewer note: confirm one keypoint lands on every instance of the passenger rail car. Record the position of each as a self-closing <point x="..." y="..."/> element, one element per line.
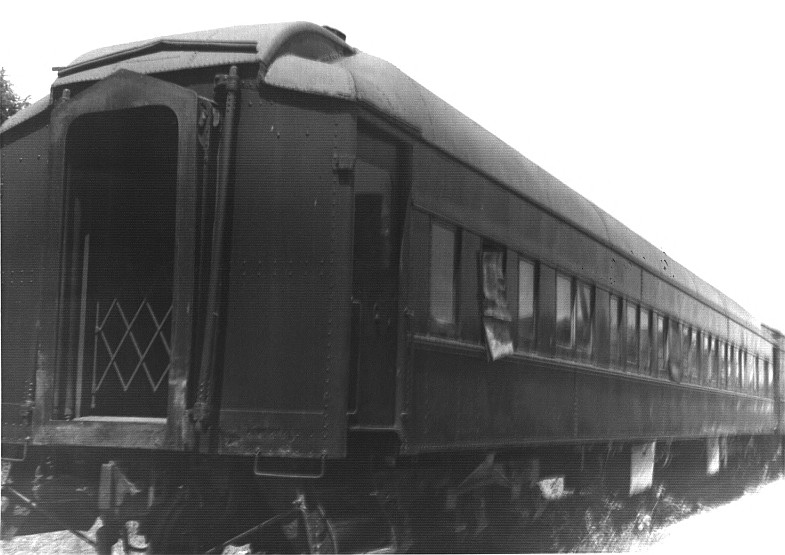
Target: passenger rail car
<point x="256" y="268"/>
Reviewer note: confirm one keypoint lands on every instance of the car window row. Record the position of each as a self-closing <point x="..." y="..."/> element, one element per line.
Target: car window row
<point x="528" y="306"/>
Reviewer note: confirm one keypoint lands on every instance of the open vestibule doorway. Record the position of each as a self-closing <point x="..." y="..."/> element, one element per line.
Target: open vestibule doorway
<point x="119" y="252"/>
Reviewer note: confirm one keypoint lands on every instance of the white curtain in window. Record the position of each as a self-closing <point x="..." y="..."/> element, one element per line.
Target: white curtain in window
<point x="496" y="313"/>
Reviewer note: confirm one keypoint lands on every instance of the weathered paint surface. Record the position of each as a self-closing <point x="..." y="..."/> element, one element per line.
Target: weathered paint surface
<point x="25" y="180"/>
<point x="288" y="301"/>
<point x="460" y="400"/>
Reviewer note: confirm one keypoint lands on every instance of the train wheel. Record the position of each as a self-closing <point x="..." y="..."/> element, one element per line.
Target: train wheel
<point x="177" y="529"/>
<point x="193" y="522"/>
<point x="198" y="518"/>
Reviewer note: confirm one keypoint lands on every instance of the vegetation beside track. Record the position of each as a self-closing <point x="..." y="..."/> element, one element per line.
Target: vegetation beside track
<point x="589" y="521"/>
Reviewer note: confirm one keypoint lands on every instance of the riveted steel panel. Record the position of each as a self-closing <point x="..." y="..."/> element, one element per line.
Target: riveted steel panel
<point x="288" y="303"/>
<point x="25" y="253"/>
<point x="461" y="400"/>
<point x="613" y="405"/>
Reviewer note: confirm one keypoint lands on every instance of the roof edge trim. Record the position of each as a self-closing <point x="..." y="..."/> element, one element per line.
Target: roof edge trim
<point x="244" y="46"/>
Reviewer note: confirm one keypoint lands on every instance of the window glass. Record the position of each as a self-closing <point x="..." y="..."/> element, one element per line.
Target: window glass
<point x="564" y="334"/>
<point x="369" y="228"/>
<point x="661" y="344"/>
<point x="631" y="347"/>
<point x="674" y="360"/>
<point x="526" y="300"/>
<point x="711" y="360"/>
<point x="372" y="220"/>
<point x="723" y="371"/>
<point x="766" y="377"/>
<point x="685" y="351"/>
<point x="645" y="342"/>
<point x="703" y="357"/>
<point x="743" y="376"/>
<point x="688" y="352"/>
<point x="717" y="362"/>
<point x="583" y="316"/>
<point x="758" y="376"/>
<point x="616" y="329"/>
<point x="770" y="376"/>
<point x="733" y="368"/>
<point x="442" y="303"/>
<point x="760" y="370"/>
<point x="694" y="345"/>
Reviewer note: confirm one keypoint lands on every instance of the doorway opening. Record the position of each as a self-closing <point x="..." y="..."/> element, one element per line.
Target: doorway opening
<point x="118" y="252"/>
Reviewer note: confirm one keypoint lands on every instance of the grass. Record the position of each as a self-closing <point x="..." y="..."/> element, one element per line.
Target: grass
<point x="593" y="521"/>
<point x="612" y="524"/>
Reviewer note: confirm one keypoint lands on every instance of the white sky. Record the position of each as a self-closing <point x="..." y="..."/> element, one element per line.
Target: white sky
<point x="669" y="115"/>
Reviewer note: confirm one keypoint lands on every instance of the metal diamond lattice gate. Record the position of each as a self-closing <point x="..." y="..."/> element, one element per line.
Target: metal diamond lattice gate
<point x="150" y="366"/>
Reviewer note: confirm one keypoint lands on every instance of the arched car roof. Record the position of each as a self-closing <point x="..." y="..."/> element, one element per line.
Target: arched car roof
<point x="309" y="58"/>
<point x="382" y="85"/>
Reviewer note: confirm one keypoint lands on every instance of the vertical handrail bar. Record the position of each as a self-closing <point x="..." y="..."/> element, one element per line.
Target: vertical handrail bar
<point x="203" y="406"/>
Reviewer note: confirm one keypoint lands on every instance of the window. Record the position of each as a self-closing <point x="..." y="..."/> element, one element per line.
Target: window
<point x="703" y="357"/>
<point x="661" y="343"/>
<point x="694" y="353"/>
<point x="723" y="370"/>
<point x="584" y="311"/>
<point x="443" y="265"/>
<point x="496" y="317"/>
<point x="574" y="314"/>
<point x="743" y="370"/>
<point x="564" y="329"/>
<point x="711" y="360"/>
<point x="766" y="378"/>
<point x="717" y="362"/>
<point x="758" y="376"/>
<point x="749" y="369"/>
<point x="371" y="229"/>
<point x="674" y="359"/>
<point x="685" y="351"/>
<point x="645" y="341"/>
<point x="733" y="369"/>
<point x="616" y="330"/>
<point x="691" y="351"/>
<point x="526" y="303"/>
<point x="631" y="347"/>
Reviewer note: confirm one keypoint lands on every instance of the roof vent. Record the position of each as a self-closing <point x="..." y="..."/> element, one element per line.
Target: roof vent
<point x="336" y="32"/>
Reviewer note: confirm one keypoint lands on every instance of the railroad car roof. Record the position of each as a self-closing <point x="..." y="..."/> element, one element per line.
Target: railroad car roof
<point x="309" y="58"/>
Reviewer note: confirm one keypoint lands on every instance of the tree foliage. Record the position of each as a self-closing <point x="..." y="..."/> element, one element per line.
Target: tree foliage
<point x="10" y="102"/>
